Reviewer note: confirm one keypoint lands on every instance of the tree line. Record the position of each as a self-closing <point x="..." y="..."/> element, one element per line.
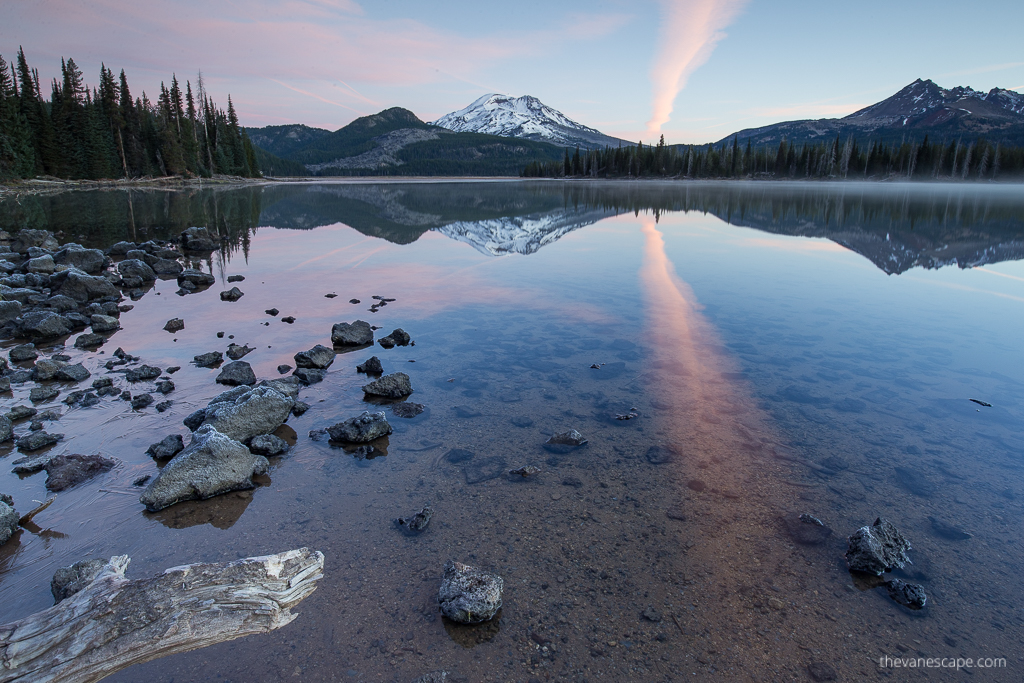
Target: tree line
<point x="836" y="159"/>
<point x="101" y="132"/>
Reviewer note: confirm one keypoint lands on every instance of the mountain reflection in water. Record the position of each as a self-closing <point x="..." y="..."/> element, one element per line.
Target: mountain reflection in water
<point x="896" y="227"/>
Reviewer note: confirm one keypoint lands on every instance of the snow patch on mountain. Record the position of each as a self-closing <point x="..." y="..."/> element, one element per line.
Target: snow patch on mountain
<point x="520" y="234"/>
<point x="522" y="117"/>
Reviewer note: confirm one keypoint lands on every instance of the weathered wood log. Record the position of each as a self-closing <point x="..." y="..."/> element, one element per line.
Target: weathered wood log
<point x="114" y="622"/>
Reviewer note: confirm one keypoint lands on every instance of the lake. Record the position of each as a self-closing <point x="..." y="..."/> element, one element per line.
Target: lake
<point x="735" y="354"/>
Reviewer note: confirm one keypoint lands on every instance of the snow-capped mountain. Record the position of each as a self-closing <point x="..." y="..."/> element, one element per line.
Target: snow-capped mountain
<point x="925" y="98"/>
<point x="918" y="109"/>
<point x="521" y="234"/>
<point x="523" y="117"/>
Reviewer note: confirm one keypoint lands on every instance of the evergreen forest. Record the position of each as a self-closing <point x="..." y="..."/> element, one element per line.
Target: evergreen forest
<point x="103" y="133"/>
<point x="831" y="159"/>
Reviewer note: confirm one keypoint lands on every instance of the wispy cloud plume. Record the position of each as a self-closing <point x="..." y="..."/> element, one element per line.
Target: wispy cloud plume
<point x="690" y="30"/>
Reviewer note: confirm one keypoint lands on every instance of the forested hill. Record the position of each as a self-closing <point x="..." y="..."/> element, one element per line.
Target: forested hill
<point x="395" y="142"/>
<point x="101" y="132"/>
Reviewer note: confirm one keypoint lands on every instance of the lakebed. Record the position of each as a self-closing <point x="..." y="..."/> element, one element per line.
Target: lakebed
<point x="762" y="351"/>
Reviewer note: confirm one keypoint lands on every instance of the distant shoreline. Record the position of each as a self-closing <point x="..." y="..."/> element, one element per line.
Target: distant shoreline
<point x="38" y="186"/>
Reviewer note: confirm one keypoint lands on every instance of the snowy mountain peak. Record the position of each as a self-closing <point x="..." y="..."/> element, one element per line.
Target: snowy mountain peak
<point x="522" y="117"/>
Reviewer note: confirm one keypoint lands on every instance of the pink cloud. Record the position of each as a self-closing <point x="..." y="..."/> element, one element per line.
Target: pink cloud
<point x="690" y="31"/>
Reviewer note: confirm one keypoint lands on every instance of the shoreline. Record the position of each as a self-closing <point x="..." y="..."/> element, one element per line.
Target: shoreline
<point x="43" y="186"/>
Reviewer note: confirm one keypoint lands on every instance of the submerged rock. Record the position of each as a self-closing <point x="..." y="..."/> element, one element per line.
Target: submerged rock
<point x="469" y="595"/>
<point x="207" y="360"/>
<point x="352" y="334"/>
<point x="407" y="409"/>
<point x="526" y="471"/>
<point x="371" y="366"/>
<point x="69" y="580"/>
<point x="175" y="325"/>
<point x="142" y="373"/>
<point x="563" y="442"/>
<point x="236" y="352"/>
<point x="807" y="529"/>
<point x="168" y="447"/>
<point x="310" y="375"/>
<point x="417" y="522"/>
<point x="210" y="465"/>
<point x="268" y="445"/>
<point x="65" y="471"/>
<point x="908" y="594"/>
<point x="395" y="385"/>
<point x="361" y="429"/>
<point x="877" y="548"/>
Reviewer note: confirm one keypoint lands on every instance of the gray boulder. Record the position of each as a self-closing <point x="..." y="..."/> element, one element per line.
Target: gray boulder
<point x="352" y="334"/>
<point x="6" y="429"/>
<point x="8" y="518"/>
<point x="81" y="286"/>
<point x="165" y="266"/>
<point x="9" y="310"/>
<point x="289" y="386"/>
<point x="62" y="304"/>
<point x="233" y="294"/>
<point x="142" y="373"/>
<point x="361" y="429"/>
<point x="122" y="248"/>
<point x="104" y="323"/>
<point x="195" y="277"/>
<point x="23" y="352"/>
<point x="46" y="369"/>
<point x="877" y="548"/>
<point x="197" y="239"/>
<point x="248" y="413"/>
<point x="41" y="394"/>
<point x="136" y="268"/>
<point x="395" y="385"/>
<point x="77" y="256"/>
<point x="268" y="445"/>
<point x="36" y="440"/>
<point x="319" y="357"/>
<point x="40" y="264"/>
<point x="69" y="580"/>
<point x="21" y="294"/>
<point x="89" y="341"/>
<point x="469" y="595"/>
<point x="235" y="373"/>
<point x="175" y="325"/>
<point x="213" y="463"/>
<point x="26" y="239"/>
<point x="73" y="373"/>
<point x="168" y="447"/>
<point x="44" y="325"/>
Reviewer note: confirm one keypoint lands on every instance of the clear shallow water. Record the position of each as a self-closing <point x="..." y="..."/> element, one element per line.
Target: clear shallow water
<point x="788" y="348"/>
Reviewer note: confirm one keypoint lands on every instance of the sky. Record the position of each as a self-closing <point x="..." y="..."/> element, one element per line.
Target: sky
<point x="691" y="70"/>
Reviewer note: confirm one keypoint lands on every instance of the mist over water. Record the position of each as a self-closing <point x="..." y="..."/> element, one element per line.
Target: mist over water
<point x="762" y="351"/>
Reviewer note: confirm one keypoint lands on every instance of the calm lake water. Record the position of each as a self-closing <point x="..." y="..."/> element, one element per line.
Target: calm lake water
<point x="781" y="349"/>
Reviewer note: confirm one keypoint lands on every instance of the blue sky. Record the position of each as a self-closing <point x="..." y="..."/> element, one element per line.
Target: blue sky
<point x="695" y="70"/>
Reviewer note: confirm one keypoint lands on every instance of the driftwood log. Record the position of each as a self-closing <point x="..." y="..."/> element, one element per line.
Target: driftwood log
<point x="114" y="622"/>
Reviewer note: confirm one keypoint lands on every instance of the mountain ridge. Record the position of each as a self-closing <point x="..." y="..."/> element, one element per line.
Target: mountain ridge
<point x="918" y="109"/>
